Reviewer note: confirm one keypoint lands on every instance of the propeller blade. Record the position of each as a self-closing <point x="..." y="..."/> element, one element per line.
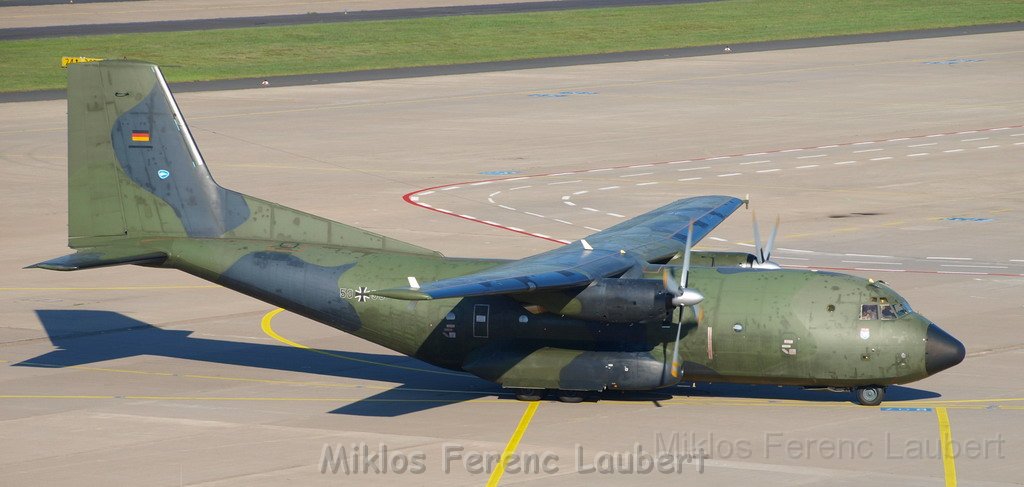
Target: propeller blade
<point x="771" y="239"/>
<point x="758" y="252"/>
<point x="684" y="279"/>
<point x="675" y="349"/>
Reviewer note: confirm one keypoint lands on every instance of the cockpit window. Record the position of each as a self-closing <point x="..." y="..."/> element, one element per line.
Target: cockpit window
<point x="900" y="309"/>
<point x="887" y="313"/>
<point x="869" y="311"/>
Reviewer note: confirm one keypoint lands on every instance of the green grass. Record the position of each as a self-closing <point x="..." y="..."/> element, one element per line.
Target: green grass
<point x="320" y="48"/>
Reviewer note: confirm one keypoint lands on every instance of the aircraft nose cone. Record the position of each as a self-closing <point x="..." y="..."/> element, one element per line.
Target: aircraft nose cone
<point x="941" y="351"/>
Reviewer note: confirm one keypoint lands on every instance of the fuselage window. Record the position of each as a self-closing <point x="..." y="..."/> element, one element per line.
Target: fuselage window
<point x="869" y="311"/>
<point x="887" y="312"/>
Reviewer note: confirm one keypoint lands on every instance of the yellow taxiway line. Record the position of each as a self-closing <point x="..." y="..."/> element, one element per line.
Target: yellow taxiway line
<point x="946" y="440"/>
<point x="513" y="443"/>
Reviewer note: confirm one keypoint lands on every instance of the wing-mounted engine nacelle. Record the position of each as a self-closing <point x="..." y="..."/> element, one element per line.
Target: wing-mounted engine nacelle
<point x="615" y="301"/>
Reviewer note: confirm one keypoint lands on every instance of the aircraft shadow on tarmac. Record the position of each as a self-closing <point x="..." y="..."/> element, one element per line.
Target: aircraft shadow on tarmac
<point x="86" y="337"/>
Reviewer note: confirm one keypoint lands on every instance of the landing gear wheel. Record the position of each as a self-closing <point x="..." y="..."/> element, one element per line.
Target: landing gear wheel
<point x="870" y="395"/>
<point x="529" y="394"/>
<point x="570" y="396"/>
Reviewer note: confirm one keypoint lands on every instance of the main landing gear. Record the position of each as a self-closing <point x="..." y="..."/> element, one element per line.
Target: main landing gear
<point x="869" y="395"/>
<point x="538" y="394"/>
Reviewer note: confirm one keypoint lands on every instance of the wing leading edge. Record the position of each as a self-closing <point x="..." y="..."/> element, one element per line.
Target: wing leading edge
<point x="652" y="237"/>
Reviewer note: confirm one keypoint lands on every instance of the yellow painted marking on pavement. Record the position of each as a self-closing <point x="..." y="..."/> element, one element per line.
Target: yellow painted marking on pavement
<point x="119" y="288"/>
<point x="946" y="439"/>
<point x="265" y="324"/>
<point x="513" y="443"/>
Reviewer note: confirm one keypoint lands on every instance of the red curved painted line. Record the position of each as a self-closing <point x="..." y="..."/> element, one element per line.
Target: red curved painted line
<point x="408" y="196"/>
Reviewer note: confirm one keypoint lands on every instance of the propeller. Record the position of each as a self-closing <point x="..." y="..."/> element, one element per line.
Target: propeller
<point x="682" y="296"/>
<point x="762" y="255"/>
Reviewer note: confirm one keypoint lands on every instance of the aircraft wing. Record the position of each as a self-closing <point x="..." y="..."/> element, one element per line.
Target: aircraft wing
<point x="652" y="237"/>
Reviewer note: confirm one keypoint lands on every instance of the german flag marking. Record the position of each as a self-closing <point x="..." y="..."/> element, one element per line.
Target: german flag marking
<point x="140" y="136"/>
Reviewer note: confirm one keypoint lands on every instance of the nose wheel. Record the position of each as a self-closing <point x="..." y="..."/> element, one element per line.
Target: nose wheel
<point x="869" y="396"/>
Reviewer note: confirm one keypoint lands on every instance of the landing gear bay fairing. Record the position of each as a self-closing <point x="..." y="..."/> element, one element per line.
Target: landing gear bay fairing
<point x="630" y="308"/>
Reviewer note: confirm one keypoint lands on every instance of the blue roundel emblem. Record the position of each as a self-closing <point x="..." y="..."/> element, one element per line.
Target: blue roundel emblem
<point x="163" y="174"/>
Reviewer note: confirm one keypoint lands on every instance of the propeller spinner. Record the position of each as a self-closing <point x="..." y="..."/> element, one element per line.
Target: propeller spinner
<point x="682" y="296"/>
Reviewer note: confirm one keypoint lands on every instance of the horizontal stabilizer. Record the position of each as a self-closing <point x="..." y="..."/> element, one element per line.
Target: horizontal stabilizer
<point x="90" y="258"/>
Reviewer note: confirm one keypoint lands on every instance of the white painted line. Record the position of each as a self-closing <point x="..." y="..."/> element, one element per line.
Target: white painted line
<point x="769" y="170"/>
<point x="680" y="162"/>
<point x="570" y="203"/>
<point x="977" y="266"/>
<point x="866" y="150"/>
<point x="647" y="184"/>
<point x="592" y="229"/>
<point x="481" y="183"/>
<point x="729" y="174"/>
<point x="869" y="269"/>
<point x="790" y="150"/>
<point x="923" y="145"/>
<point x="1018" y="143"/>
<point x="901" y="139"/>
<point x="426" y="205"/>
<point x="496" y="193"/>
<point x="797" y="250"/>
<point x="541" y="235"/>
<point x="919" y="154"/>
<point x="469" y="217"/>
<point x="814" y="156"/>
<point x="833" y="146"/>
<point x="519" y="187"/>
<point x="559" y="174"/>
<point x="974" y="139"/>
<point x="694" y="168"/>
<point x="948" y="258"/>
<point x="988" y="147"/>
<point x="689" y="179"/>
<point x="493" y="223"/>
<point x="566" y="198"/>
<point x="717" y="158"/>
<point x="881" y="158"/>
<point x="953" y="150"/>
<point x="449" y="188"/>
<point x="744" y="244"/>
<point x="871" y="262"/>
<point x="538" y="215"/>
<point x="507" y="207"/>
<point x="863" y="143"/>
<point x="844" y="163"/>
<point x="752" y="154"/>
<point x="606" y="188"/>
<point x="491" y="200"/>
<point x="876" y="256"/>
<point x="807" y="166"/>
<point x="414" y="198"/>
<point x="520" y="178"/>
<point x="640" y="165"/>
<point x="965" y="132"/>
<point x="600" y="170"/>
<point x="562" y="221"/>
<point x="616" y="215"/>
<point x="442" y="210"/>
<point x="564" y="182"/>
<point x="581" y="192"/>
<point x="967" y="273"/>
<point x="515" y="229"/>
<point x="591" y="209"/>
<point x="755" y="162"/>
<point x="934" y="135"/>
<point x="425" y="193"/>
<point x="636" y="175"/>
<point x="718" y="239"/>
<point x="1017" y="135"/>
<point x="1016" y="260"/>
<point x="1001" y="128"/>
<point x="789" y="258"/>
<point x="563" y="241"/>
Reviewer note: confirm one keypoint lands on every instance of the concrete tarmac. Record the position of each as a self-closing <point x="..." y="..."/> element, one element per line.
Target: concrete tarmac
<point x="898" y="161"/>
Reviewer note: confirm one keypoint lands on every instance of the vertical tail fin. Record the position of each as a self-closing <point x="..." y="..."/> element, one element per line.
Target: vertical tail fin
<point x="134" y="172"/>
<point x="133" y="167"/>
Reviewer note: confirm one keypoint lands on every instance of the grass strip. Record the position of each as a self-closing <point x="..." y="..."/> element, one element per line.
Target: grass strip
<point x="352" y="46"/>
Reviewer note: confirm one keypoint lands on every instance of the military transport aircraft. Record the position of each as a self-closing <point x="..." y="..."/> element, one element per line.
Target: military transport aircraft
<point x="627" y="308"/>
